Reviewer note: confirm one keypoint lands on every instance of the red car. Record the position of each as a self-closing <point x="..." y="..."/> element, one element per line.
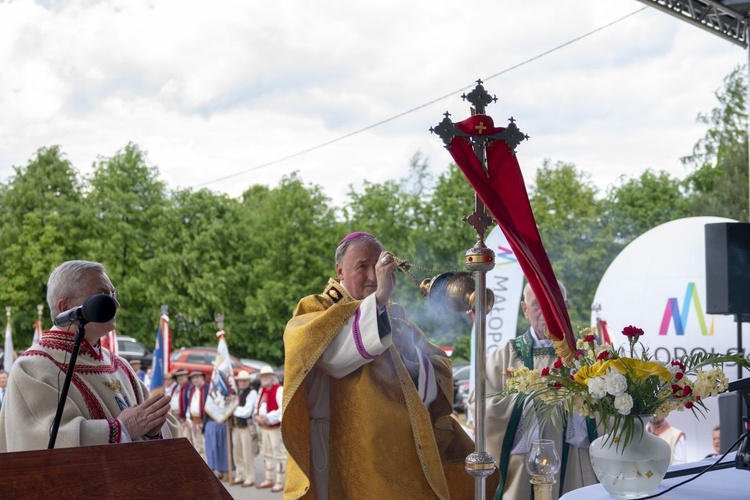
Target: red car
<point x="202" y="359"/>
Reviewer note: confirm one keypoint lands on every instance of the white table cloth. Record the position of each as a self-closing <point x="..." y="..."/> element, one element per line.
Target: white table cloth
<point x="724" y="484"/>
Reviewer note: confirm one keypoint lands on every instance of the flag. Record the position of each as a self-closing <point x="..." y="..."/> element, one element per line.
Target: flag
<point x="166" y="335"/>
<point x="9" y="355"/>
<point x="503" y="192"/>
<point x="160" y="359"/>
<point x="222" y="396"/>
<point x="109" y="342"/>
<point x="37" y="332"/>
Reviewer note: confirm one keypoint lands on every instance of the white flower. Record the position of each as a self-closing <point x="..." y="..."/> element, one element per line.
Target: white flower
<point x="616" y="382"/>
<point x="597" y="387"/>
<point x="624" y="403"/>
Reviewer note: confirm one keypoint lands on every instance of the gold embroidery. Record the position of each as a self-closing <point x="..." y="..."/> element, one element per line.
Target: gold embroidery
<point x="114" y="385"/>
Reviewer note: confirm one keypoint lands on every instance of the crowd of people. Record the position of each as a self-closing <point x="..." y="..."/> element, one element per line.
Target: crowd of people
<point x="367" y="411"/>
<point x="254" y="425"/>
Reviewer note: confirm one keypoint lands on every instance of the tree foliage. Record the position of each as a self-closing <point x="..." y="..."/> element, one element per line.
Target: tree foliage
<point x="252" y="258"/>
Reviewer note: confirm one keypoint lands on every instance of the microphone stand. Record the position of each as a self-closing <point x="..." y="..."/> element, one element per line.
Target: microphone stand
<point x="77" y="340"/>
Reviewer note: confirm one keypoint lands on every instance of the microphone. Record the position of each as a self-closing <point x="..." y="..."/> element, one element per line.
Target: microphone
<point x="96" y="309"/>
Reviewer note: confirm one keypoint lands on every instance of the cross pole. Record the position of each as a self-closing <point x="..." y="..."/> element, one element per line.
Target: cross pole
<point x="479" y="260"/>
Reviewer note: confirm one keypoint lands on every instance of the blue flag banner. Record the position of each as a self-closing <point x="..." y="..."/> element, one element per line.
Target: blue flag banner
<point x="157" y="367"/>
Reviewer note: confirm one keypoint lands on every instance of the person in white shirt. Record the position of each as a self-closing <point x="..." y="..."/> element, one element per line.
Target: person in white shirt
<point x="242" y="436"/>
<point x="672" y="435"/>
<point x="268" y="418"/>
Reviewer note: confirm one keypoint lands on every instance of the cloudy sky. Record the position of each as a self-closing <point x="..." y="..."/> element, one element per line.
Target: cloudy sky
<point x="231" y="93"/>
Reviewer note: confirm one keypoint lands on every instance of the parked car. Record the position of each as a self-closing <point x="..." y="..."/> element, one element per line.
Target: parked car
<point x="461" y="375"/>
<point x="202" y="358"/>
<point x="129" y="348"/>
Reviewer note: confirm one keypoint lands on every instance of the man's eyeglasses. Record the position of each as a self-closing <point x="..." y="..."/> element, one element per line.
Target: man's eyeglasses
<point x="112" y="294"/>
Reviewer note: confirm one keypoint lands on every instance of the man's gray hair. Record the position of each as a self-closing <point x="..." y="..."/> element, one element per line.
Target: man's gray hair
<point x="68" y="280"/>
<point x="527" y="289"/>
<point x="362" y="239"/>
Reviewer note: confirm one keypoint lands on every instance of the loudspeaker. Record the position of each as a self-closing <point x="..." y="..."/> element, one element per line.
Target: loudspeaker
<point x="728" y="268"/>
<point x="732" y="409"/>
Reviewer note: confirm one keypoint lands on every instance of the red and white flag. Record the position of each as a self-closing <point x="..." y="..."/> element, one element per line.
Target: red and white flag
<point x="110" y="342"/>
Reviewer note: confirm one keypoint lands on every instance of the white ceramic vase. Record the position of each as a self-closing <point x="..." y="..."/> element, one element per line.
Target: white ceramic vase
<point x="634" y="470"/>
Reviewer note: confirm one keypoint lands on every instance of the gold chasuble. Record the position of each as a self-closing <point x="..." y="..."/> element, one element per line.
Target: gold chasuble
<point x="384" y="442"/>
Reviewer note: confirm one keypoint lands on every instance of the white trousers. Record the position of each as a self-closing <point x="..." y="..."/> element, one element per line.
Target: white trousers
<point x="274" y="454"/>
<point x="244" y="453"/>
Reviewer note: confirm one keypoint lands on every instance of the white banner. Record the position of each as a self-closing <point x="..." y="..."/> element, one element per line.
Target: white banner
<point x="506" y="282"/>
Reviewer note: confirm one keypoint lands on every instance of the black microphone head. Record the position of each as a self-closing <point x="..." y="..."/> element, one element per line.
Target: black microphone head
<point x="99" y="308"/>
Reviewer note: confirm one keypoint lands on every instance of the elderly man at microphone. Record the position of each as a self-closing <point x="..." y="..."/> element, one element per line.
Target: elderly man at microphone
<point x="106" y="402"/>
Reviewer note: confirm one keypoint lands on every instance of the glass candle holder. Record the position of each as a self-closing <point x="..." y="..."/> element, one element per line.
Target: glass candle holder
<point x="542" y="462"/>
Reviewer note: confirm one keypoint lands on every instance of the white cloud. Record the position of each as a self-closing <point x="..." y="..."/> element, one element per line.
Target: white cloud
<point x="211" y="89"/>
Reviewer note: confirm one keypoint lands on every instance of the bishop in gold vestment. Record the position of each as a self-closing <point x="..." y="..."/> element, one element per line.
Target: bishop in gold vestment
<point x="368" y="399"/>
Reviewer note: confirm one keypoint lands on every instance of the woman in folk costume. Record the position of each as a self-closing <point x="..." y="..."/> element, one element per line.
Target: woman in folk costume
<point x="106" y="403"/>
<point x="368" y="399"/>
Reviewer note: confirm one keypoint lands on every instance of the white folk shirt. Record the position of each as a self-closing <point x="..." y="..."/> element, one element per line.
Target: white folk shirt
<point x="248" y="409"/>
<point x="195" y="404"/>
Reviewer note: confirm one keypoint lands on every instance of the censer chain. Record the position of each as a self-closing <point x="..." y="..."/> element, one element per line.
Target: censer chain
<point x="404" y="265"/>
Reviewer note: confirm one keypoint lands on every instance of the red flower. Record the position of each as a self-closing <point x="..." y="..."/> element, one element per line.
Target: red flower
<point x="678" y="363"/>
<point x="688" y="405"/>
<point x="579" y="354"/>
<point x="589" y="338"/>
<point x="679" y="375"/>
<point x="558" y="364"/>
<point x="697" y="398"/>
<point x="545" y="371"/>
<point x="675" y="389"/>
<point x="508" y="373"/>
<point x="632" y="331"/>
<point x="687" y="391"/>
<point x="557" y="384"/>
<point x="603" y="355"/>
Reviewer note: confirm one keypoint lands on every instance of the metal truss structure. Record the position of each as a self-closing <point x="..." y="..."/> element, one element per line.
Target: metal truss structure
<point x="725" y="18"/>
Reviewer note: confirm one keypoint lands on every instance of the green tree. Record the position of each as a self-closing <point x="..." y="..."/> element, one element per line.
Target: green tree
<point x="42" y="223"/>
<point x="197" y="268"/>
<point x="568" y="214"/>
<point x="719" y="183"/>
<point x="638" y="204"/>
<point x="129" y="204"/>
<point x="295" y="234"/>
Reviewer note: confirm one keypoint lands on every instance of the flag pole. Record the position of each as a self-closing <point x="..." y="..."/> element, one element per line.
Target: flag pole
<point x="38" y="327"/>
<point x="219" y="317"/>
<point x="166" y="340"/>
<point x="8" y="347"/>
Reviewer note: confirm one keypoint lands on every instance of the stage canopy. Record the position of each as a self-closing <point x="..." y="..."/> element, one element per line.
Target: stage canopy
<point x="725" y="18"/>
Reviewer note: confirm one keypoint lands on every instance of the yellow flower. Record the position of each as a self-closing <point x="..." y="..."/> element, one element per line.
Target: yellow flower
<point x="595" y="370"/>
<point x="641" y="369"/>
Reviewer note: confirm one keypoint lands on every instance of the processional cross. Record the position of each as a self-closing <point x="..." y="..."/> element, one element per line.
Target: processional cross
<point x="479" y="259"/>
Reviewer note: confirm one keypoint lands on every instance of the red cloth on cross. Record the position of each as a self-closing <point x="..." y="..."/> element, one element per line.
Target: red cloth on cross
<point x="503" y="192"/>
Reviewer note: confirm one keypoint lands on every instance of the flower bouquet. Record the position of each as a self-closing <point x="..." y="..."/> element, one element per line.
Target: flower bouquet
<point x="617" y="387"/>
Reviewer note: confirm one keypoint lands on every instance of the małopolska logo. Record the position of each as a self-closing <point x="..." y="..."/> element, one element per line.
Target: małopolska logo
<point x="680" y="317"/>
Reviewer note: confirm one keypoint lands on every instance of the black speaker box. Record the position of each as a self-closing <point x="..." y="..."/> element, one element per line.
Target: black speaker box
<point x="732" y="409"/>
<point x="728" y="268"/>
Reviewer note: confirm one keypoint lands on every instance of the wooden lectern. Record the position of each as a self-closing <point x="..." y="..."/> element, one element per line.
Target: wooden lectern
<point x="169" y="468"/>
